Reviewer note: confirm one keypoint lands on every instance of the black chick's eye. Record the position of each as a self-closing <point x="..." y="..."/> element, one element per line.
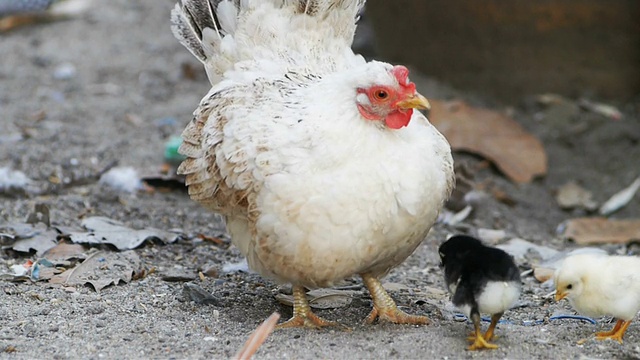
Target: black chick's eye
<point x="381" y="94"/>
<point x="569" y="287"/>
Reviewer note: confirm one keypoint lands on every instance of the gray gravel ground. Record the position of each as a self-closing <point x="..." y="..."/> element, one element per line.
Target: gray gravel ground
<point x="127" y="67"/>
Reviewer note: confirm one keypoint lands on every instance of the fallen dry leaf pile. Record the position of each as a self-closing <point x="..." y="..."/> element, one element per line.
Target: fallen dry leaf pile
<point x="64" y="255"/>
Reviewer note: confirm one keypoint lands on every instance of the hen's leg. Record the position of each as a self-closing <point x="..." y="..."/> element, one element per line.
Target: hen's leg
<point x="617" y="333"/>
<point x="479" y="341"/>
<point x="494" y="321"/>
<point x="302" y="314"/>
<point x="384" y="308"/>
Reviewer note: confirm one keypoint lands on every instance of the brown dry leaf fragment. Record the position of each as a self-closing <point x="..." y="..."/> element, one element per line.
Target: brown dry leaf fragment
<point x="63" y="252"/>
<point x="216" y="240"/>
<point x="600" y="230"/>
<point x="518" y="154"/>
<point x="257" y="338"/>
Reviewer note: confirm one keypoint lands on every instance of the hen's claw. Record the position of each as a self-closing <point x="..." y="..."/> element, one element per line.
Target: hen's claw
<point x="302" y="314"/>
<point x="384" y="308"/>
<point x="309" y="320"/>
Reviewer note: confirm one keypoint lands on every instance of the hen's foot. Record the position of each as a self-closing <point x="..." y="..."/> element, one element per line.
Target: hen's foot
<point x="616" y="333"/>
<point x="302" y="314"/>
<point x="384" y="308"/>
<point x="309" y="320"/>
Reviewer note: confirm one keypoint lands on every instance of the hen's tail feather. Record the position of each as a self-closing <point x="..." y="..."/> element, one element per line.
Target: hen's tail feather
<point x="190" y="18"/>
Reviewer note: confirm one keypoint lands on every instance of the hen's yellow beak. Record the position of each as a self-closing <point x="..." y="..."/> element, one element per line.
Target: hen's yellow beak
<point x="560" y="295"/>
<point x="416" y="101"/>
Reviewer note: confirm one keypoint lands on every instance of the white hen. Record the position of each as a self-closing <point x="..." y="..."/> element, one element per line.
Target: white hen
<point x="316" y="158"/>
<point x="598" y="285"/>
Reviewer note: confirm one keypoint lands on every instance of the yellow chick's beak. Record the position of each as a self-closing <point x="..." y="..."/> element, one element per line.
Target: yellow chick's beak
<point x="416" y="101"/>
<point x="560" y="295"/>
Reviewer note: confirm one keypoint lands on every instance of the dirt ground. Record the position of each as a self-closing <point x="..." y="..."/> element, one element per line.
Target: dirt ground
<point x="129" y="94"/>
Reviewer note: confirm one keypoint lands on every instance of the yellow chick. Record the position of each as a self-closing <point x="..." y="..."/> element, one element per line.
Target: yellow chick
<point x="598" y="285"/>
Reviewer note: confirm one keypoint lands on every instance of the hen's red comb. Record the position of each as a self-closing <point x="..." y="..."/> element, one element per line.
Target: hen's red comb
<point x="401" y="73"/>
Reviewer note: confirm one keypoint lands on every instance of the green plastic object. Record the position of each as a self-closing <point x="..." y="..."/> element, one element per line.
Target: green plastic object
<point x="171" y="154"/>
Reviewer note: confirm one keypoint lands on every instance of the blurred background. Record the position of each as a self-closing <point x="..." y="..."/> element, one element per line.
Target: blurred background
<point x="509" y="49"/>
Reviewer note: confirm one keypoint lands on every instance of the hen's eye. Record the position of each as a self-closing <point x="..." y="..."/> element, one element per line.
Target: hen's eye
<point x="569" y="287"/>
<point x="381" y="94"/>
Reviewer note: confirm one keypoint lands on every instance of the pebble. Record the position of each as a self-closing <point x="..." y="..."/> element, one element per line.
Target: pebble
<point x="198" y="295"/>
<point x="64" y="71"/>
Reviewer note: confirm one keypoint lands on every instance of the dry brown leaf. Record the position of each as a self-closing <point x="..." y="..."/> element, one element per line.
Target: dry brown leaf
<point x="601" y="230"/>
<point x="64" y="252"/>
<point x="518" y="154"/>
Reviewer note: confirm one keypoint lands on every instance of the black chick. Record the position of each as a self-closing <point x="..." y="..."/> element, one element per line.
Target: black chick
<point x="482" y="279"/>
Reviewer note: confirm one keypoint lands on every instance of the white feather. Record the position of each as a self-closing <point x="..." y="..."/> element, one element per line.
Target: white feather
<point x="227" y="15"/>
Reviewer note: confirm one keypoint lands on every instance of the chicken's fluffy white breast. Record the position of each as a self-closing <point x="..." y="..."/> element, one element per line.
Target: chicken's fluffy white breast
<point x="311" y="200"/>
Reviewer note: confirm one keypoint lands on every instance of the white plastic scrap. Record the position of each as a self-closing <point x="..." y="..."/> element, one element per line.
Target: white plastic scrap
<point x="620" y="199"/>
<point x="450" y="218"/>
<point x="19" y="270"/>
<point x="518" y="248"/>
<point x="122" y="178"/>
<point x="236" y="267"/>
<point x="603" y="109"/>
<point x="12" y="179"/>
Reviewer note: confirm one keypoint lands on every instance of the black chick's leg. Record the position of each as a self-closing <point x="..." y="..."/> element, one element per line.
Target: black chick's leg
<point x="478" y="340"/>
<point x="494" y="321"/>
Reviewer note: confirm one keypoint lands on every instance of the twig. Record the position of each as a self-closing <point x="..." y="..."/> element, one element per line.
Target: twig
<point x="257" y="338"/>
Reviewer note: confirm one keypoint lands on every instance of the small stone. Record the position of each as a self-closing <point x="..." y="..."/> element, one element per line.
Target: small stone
<point x="177" y="275"/>
<point x="65" y="71"/>
<point x="198" y="295"/>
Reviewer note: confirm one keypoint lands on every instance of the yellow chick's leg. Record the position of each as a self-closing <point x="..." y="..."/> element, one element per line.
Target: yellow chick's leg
<point x="494" y="321"/>
<point x="617" y="333"/>
<point x="302" y="314"/>
<point x="384" y="308"/>
<point x="612" y="331"/>
<point x="479" y="341"/>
